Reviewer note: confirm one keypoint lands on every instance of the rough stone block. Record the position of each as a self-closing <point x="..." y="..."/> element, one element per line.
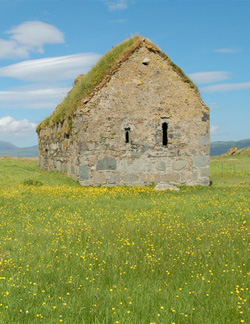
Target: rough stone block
<point x="205" y="172"/>
<point x="136" y="154"/>
<point x="130" y="178"/>
<point x="68" y="167"/>
<point x="58" y="166"/>
<point x="165" y="186"/>
<point x="53" y="146"/>
<point x="160" y="166"/>
<point x="146" y="147"/>
<point x="72" y="171"/>
<point x="114" y="178"/>
<point x="99" y="178"/>
<point x="178" y="165"/>
<point x="152" y="178"/>
<point x="205" y="117"/>
<point x="84" y="172"/>
<point x="201" y="161"/>
<point x="84" y="152"/>
<point x="138" y="165"/>
<point x="204" y="140"/>
<point x="64" y="167"/>
<point x="173" y="151"/>
<point x="205" y="181"/>
<point x="189" y="177"/>
<point x="171" y="177"/>
<point x="107" y="163"/>
<point x="83" y="146"/>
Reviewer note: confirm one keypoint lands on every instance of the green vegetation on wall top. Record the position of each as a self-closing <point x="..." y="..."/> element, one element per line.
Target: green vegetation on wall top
<point x="86" y="84"/>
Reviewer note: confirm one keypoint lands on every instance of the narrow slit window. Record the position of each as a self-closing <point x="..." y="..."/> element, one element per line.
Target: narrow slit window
<point x="127" y="135"/>
<point x="164" y="134"/>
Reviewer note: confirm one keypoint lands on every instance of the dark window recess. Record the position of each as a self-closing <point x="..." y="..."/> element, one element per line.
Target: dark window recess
<point x="127" y="135"/>
<point x="164" y="134"/>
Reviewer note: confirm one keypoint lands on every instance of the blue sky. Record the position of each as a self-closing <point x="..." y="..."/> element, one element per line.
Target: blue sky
<point x="45" y="44"/>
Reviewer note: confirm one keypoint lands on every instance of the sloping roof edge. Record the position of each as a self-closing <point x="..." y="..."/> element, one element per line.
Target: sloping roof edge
<point x="100" y="74"/>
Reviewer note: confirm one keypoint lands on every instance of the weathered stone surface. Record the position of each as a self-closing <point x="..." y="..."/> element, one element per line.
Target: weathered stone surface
<point x="136" y="154"/>
<point x="107" y="163"/>
<point x="160" y="166"/>
<point x="178" y="165"/>
<point x="205" y="172"/>
<point x="153" y="178"/>
<point x="130" y="178"/>
<point x="190" y="177"/>
<point x="98" y="178"/>
<point x="146" y="61"/>
<point x="146" y="147"/>
<point x="205" y="117"/>
<point x="58" y="166"/>
<point x="171" y="177"/>
<point x="204" y="140"/>
<point x="53" y="146"/>
<point x="205" y="182"/>
<point x="114" y="178"/>
<point x="137" y="98"/>
<point x="165" y="186"/>
<point x="64" y="167"/>
<point x="201" y="161"/>
<point x="138" y="165"/>
<point x="84" y="172"/>
<point x="83" y="146"/>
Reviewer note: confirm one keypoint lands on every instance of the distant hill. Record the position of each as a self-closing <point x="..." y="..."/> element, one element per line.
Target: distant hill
<point x="10" y="149"/>
<point x="218" y="148"/>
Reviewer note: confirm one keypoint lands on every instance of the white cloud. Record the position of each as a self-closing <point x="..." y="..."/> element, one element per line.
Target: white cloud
<point x="30" y="36"/>
<point x="209" y="77"/>
<point x="215" y="129"/>
<point x="226" y="50"/>
<point x="118" y="21"/>
<point x="32" y="98"/>
<point x="11" y="49"/>
<point x="116" y="4"/>
<point x="11" y="127"/>
<point x="50" y="93"/>
<point x="35" y="34"/>
<point x="226" y="87"/>
<point x="51" y="69"/>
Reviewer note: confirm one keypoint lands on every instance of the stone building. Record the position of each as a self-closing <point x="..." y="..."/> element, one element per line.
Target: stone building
<point x="134" y="119"/>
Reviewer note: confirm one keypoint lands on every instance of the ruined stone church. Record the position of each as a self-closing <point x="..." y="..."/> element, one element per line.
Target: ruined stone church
<point x="134" y="119"/>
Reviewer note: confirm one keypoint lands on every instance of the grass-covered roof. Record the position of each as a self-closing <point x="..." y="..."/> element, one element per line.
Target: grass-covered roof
<point x="106" y="65"/>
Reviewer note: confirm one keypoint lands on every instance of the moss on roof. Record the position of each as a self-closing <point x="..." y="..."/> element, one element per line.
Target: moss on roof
<point x="107" y="65"/>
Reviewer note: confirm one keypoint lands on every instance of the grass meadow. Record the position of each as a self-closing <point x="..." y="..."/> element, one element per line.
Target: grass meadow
<point x="72" y="255"/>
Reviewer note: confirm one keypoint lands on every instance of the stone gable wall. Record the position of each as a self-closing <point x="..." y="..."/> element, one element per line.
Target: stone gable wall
<point x="140" y="97"/>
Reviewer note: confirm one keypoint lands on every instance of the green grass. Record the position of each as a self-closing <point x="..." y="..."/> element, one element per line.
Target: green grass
<point x="231" y="170"/>
<point x="70" y="254"/>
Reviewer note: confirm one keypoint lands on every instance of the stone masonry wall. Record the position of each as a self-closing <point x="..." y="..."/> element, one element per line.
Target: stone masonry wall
<point x="139" y="97"/>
